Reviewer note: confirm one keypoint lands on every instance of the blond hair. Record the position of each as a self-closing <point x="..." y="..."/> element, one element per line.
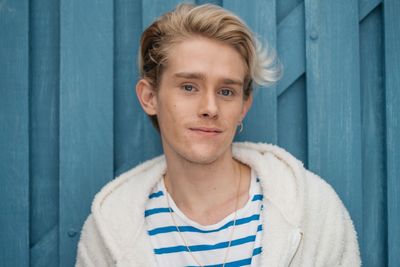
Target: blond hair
<point x="208" y="21"/>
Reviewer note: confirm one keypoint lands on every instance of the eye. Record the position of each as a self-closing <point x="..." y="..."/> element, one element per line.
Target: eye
<point x="188" y="87"/>
<point x="226" y="92"/>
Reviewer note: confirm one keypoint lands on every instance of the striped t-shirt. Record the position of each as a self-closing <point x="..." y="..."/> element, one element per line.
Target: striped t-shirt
<point x="207" y="243"/>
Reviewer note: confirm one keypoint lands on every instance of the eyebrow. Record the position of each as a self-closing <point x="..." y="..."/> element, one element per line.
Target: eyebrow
<point x="201" y="76"/>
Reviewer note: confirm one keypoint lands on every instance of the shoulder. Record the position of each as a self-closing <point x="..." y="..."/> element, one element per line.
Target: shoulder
<point x="287" y="183"/>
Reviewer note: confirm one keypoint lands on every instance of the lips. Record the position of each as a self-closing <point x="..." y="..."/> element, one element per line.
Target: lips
<point x="206" y="130"/>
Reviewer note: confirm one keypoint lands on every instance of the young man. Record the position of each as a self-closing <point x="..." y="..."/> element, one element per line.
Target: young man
<point x="208" y="202"/>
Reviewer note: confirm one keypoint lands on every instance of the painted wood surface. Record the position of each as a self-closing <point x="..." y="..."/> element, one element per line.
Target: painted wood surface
<point x="373" y="139"/>
<point x="130" y="124"/>
<point x="86" y="113"/>
<point x="14" y="133"/>
<point x="392" y="86"/>
<point x="44" y="132"/>
<point x="333" y="98"/>
<point x="262" y="116"/>
<point x="70" y="121"/>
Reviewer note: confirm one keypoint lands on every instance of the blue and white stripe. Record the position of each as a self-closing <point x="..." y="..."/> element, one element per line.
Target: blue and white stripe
<point x="208" y="243"/>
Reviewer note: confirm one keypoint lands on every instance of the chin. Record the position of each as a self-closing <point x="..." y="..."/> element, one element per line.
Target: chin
<point x="204" y="154"/>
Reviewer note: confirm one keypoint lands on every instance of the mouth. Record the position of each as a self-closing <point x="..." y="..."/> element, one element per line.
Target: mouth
<point x="208" y="131"/>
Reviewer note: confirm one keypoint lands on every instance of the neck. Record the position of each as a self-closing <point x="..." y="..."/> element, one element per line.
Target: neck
<point x="207" y="193"/>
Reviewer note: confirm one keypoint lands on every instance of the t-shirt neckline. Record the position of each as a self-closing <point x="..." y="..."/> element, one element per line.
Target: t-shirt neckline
<point x="228" y="218"/>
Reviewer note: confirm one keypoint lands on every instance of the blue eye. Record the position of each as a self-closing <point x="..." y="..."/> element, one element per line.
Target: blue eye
<point x="226" y="92"/>
<point x="188" y="87"/>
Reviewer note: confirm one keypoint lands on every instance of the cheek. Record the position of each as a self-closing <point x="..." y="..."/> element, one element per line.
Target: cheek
<point x="169" y="113"/>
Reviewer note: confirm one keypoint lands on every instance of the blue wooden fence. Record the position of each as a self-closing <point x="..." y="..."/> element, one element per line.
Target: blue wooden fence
<point x="70" y="122"/>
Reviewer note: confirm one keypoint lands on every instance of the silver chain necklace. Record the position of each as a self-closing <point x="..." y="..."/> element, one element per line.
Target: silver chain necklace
<point x="233" y="227"/>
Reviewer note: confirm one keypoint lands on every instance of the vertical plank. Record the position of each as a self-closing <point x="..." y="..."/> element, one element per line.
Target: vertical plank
<point x="373" y="140"/>
<point x="261" y="122"/>
<point x="292" y="119"/>
<point x="86" y="113"/>
<point x="152" y="9"/>
<point x="44" y="118"/>
<point x="14" y="135"/>
<point x="128" y="126"/>
<point x="333" y="97"/>
<point x="215" y="2"/>
<point x="392" y="79"/>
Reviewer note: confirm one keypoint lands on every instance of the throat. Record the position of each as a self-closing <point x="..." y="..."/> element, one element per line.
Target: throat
<point x="215" y="213"/>
<point x="208" y="201"/>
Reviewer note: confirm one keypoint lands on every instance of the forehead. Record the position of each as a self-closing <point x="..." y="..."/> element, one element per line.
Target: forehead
<point x="211" y="58"/>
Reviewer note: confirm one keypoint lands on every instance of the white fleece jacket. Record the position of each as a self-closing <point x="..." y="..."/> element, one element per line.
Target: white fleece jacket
<point x="305" y="223"/>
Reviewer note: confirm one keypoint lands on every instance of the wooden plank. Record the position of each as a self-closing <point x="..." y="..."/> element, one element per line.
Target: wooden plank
<point x="132" y="145"/>
<point x="292" y="120"/>
<point x="261" y="122"/>
<point x="285" y="7"/>
<point x="392" y="84"/>
<point x="44" y="118"/>
<point x="14" y="133"/>
<point x="291" y="47"/>
<point x="215" y="2"/>
<point x="333" y="98"/>
<point x="45" y="251"/>
<point x="366" y="6"/>
<point x="86" y="113"/>
<point x="291" y="44"/>
<point x="373" y="140"/>
<point x="152" y="9"/>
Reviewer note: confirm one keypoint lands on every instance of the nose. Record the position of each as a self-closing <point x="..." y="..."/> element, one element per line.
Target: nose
<point x="208" y="107"/>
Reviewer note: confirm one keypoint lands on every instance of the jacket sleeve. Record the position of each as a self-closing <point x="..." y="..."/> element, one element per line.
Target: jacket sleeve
<point x="331" y="234"/>
<point x="91" y="249"/>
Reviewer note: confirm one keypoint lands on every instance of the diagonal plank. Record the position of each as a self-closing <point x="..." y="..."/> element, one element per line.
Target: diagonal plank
<point x="45" y="253"/>
<point x="291" y="47"/>
<point x="291" y="44"/>
<point x="366" y="6"/>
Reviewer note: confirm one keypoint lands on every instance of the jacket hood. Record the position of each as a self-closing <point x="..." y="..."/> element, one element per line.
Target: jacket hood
<point x="118" y="209"/>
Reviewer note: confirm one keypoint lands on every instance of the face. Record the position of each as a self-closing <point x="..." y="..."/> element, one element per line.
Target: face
<point x="199" y="102"/>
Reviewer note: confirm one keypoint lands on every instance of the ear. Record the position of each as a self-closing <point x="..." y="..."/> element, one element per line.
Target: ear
<point x="147" y="96"/>
<point x="246" y="106"/>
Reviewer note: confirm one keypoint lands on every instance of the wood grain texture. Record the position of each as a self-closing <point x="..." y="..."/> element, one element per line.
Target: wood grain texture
<point x="392" y="85"/>
<point x="366" y="6"/>
<point x="291" y="47"/>
<point x="373" y="140"/>
<point x="86" y="113"/>
<point x="292" y="120"/>
<point x="260" y="16"/>
<point x="291" y="37"/>
<point x="44" y="134"/>
<point x="129" y="120"/>
<point x="14" y="133"/>
<point x="285" y="7"/>
<point x="152" y="9"/>
<point x="215" y="2"/>
<point x="333" y="98"/>
<point x="70" y="121"/>
<point x="45" y="252"/>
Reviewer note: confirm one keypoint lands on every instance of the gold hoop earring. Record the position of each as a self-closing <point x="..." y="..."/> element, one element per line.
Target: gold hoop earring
<point x="240" y="127"/>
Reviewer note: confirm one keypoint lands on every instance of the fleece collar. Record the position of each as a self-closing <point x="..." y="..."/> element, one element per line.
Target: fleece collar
<point x="119" y="207"/>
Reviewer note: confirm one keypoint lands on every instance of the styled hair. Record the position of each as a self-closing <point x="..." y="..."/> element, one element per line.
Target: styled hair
<point x="209" y="21"/>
